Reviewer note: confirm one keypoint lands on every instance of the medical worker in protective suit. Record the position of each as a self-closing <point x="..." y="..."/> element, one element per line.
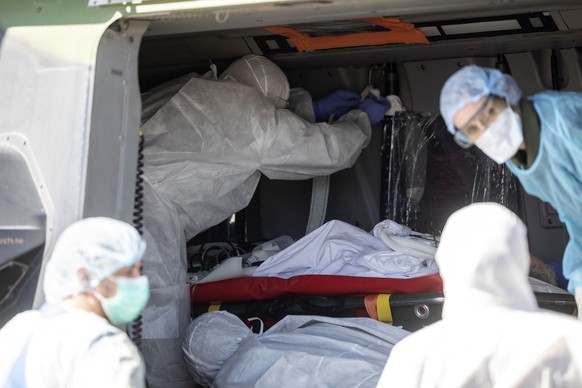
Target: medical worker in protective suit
<point x="539" y="138"/>
<point x="208" y="139"/>
<point x="492" y="333"/>
<point x="91" y="283"/>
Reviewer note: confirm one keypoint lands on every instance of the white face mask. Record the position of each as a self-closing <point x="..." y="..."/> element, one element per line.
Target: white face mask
<point x="503" y="137"/>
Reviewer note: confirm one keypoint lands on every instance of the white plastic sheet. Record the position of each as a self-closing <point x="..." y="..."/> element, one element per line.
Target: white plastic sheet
<point x="298" y="351"/>
<point x="335" y="248"/>
<point x="338" y="248"/>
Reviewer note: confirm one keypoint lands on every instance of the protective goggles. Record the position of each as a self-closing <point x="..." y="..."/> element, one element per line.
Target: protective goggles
<point x="459" y="136"/>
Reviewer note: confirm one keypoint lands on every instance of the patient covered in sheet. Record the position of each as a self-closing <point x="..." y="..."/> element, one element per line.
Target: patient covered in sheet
<point x="299" y="351"/>
<point x="391" y="250"/>
<point x="338" y="248"/>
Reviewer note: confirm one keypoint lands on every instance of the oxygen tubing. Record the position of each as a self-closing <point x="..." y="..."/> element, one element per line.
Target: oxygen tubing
<point x="407" y="245"/>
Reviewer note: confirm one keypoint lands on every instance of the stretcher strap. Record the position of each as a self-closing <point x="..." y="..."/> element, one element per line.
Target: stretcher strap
<point x="214" y="307"/>
<point x="318" y="208"/>
<point x="383" y="308"/>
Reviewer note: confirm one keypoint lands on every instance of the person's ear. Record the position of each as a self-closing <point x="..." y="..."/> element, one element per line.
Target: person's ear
<point x="83" y="276"/>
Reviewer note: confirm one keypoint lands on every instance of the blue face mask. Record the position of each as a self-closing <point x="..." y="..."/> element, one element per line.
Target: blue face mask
<point x="129" y="301"/>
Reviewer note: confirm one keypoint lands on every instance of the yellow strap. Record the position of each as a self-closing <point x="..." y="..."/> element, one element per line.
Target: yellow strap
<point x="383" y="308"/>
<point x="214" y="307"/>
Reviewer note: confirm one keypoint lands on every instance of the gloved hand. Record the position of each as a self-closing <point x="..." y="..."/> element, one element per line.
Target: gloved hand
<point x="375" y="108"/>
<point x="337" y="103"/>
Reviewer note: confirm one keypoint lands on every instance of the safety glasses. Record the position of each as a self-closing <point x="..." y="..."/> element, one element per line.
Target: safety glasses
<point x="460" y="138"/>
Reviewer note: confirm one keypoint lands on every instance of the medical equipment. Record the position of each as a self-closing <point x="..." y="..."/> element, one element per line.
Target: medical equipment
<point x="400" y="239"/>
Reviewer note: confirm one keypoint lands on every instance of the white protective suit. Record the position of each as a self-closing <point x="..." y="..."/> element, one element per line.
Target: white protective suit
<point x="298" y="351"/>
<point x="492" y="333"/>
<point x="63" y="345"/>
<point x="66" y="346"/>
<point x="205" y="150"/>
<point x="72" y="348"/>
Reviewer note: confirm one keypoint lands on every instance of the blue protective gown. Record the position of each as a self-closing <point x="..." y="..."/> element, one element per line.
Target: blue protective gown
<point x="556" y="174"/>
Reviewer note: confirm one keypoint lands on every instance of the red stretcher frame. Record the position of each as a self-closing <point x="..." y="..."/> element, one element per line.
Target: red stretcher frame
<point x="265" y="288"/>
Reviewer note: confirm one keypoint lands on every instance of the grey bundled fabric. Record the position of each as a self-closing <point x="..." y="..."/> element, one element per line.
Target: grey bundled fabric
<point x="205" y="150"/>
<point x="209" y="341"/>
<point x="301" y="104"/>
<point x="155" y="98"/>
<point x="166" y="316"/>
<point x="299" y="351"/>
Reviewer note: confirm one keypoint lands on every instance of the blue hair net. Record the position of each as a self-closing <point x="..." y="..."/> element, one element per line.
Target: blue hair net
<point x="100" y="245"/>
<point x="470" y="84"/>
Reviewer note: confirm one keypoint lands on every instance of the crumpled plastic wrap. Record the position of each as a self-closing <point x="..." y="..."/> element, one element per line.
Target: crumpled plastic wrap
<point x="428" y="176"/>
<point x="298" y="351"/>
<point x="338" y="248"/>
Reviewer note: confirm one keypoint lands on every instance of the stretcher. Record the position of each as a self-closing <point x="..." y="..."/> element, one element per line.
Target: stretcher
<point x="408" y="303"/>
<point x="266" y="288"/>
<point x="411" y="303"/>
<point x="418" y="157"/>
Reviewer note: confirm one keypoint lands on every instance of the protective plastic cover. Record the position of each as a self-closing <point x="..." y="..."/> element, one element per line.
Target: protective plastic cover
<point x="428" y="176"/>
<point x="299" y="351"/>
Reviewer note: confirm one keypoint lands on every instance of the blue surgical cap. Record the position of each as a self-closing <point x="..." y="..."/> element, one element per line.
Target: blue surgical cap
<point x="470" y="84"/>
<point x="100" y="245"/>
